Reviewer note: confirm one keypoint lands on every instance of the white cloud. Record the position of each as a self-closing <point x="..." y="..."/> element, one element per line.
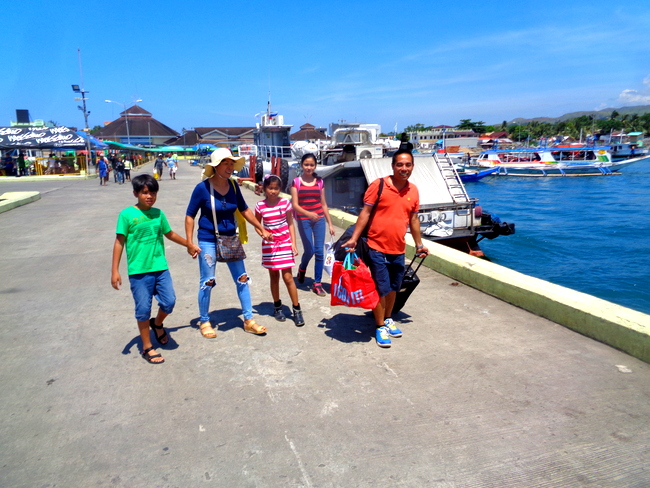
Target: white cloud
<point x="642" y="96"/>
<point x="634" y="96"/>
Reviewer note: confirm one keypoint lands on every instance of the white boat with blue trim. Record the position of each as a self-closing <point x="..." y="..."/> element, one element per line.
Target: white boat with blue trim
<point x="566" y="160"/>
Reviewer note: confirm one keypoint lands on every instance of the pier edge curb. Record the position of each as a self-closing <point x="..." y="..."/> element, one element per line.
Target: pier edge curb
<point x="617" y="326"/>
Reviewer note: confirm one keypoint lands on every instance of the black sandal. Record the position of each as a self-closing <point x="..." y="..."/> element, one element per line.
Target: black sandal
<point x="149" y="358"/>
<point x="163" y="336"/>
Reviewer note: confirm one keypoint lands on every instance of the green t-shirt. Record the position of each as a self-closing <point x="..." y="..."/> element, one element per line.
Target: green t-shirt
<point x="144" y="231"/>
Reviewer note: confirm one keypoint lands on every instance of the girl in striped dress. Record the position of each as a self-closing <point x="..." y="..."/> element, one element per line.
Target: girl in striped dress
<point x="277" y="255"/>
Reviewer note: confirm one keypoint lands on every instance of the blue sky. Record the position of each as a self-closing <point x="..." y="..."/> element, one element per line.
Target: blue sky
<point x="197" y="64"/>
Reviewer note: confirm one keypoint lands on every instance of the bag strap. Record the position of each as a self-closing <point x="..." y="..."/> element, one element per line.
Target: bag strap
<point x="374" y="208"/>
<point x="350" y="258"/>
<point x="241" y="221"/>
<point x="214" y="213"/>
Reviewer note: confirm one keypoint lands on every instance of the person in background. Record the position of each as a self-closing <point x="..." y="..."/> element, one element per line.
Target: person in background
<point x="8" y="165"/>
<point x="51" y="164"/>
<point x="112" y="159"/>
<point x="22" y="165"/>
<point x="172" y="165"/>
<point x="102" y="170"/>
<point x="158" y="166"/>
<point x="127" y="168"/>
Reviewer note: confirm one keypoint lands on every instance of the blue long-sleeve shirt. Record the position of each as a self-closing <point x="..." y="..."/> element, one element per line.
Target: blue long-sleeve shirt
<point x="225" y="207"/>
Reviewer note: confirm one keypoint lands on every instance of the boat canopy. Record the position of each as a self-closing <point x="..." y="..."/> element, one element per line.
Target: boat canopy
<point x="429" y="180"/>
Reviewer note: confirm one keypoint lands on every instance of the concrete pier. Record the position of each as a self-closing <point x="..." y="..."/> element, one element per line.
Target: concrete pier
<point x="478" y="392"/>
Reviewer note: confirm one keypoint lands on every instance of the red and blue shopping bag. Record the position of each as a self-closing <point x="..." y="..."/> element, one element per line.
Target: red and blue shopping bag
<point x="352" y="284"/>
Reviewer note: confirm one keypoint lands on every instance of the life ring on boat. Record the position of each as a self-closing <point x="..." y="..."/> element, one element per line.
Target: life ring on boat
<point x="601" y="151"/>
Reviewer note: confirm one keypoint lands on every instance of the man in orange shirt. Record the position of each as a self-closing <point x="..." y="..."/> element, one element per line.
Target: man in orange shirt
<point x="397" y="208"/>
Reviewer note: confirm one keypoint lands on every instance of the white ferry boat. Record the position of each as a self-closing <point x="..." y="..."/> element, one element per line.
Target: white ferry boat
<point x="554" y="161"/>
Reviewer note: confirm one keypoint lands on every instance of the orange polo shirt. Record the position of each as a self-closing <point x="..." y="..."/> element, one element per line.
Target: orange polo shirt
<point x="392" y="217"/>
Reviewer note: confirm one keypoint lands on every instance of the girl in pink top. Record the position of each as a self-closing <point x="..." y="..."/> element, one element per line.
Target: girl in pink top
<point x="278" y="255"/>
<point x="313" y="220"/>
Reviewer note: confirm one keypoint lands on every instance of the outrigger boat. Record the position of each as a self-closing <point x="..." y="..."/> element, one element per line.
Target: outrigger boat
<point x="554" y="161"/>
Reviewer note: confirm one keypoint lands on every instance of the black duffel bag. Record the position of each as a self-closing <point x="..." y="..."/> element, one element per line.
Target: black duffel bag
<point x="362" y="243"/>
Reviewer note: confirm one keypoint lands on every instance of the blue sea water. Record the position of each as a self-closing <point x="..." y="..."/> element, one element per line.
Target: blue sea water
<point x="585" y="233"/>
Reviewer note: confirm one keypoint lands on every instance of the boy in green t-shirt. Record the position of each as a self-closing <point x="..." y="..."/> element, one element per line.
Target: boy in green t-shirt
<point x="141" y="228"/>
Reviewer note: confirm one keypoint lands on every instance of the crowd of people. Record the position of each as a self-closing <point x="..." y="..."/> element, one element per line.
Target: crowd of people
<point x="218" y="212"/>
<point x="24" y="165"/>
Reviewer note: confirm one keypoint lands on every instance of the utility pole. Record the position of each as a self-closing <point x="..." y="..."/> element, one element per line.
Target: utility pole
<point x="82" y="91"/>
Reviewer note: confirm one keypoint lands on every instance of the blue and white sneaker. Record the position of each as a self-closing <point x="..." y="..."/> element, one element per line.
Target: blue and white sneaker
<point x="392" y="328"/>
<point x="383" y="337"/>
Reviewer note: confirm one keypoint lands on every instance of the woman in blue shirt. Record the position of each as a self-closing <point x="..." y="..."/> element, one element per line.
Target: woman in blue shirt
<point x="227" y="200"/>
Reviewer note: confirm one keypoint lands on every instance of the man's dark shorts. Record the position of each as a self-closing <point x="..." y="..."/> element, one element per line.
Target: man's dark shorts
<point x="387" y="271"/>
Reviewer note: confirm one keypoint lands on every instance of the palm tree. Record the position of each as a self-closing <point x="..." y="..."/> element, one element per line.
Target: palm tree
<point x="465" y="124"/>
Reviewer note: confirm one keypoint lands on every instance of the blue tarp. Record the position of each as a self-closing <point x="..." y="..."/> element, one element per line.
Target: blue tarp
<point x="94" y="142"/>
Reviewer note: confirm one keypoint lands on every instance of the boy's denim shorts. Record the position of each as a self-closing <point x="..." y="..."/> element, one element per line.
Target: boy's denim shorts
<point x="146" y="286"/>
<point x="387" y="271"/>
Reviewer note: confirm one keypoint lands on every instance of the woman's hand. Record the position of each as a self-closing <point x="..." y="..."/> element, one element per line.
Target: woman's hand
<point x="193" y="250"/>
<point x="313" y="216"/>
<point x="267" y="236"/>
<point x="332" y="231"/>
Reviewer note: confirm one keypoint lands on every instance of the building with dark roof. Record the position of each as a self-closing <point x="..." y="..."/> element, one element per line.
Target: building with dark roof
<point x="136" y="126"/>
<point x="309" y="132"/>
<point x="217" y="136"/>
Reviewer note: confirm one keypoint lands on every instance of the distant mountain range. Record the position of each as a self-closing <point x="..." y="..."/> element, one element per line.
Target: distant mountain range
<point x="599" y="114"/>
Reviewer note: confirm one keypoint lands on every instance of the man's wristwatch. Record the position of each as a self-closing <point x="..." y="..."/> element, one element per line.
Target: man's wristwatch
<point x="421" y="246"/>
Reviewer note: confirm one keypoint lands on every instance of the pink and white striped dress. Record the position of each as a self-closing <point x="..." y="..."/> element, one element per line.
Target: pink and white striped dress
<point x="279" y="253"/>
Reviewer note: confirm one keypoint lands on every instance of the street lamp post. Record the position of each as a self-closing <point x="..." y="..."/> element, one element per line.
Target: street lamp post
<point x="80" y="90"/>
<point x="126" y="117"/>
<point x="77" y="89"/>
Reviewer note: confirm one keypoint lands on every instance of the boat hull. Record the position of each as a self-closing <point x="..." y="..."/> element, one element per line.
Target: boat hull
<point x="466" y="177"/>
<point x="563" y="170"/>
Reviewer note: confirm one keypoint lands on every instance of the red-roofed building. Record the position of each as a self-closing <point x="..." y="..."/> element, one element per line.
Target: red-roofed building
<point x="309" y="132"/>
<point x="217" y="136"/>
<point x="136" y="126"/>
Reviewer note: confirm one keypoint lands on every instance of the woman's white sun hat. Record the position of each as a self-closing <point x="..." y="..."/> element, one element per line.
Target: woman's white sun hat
<point x="219" y="155"/>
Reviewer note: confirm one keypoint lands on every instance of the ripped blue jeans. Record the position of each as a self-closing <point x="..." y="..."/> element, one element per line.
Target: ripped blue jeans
<point x="208" y="281"/>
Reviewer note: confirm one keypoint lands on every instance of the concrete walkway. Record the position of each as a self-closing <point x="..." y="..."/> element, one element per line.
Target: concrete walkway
<point x="478" y="393"/>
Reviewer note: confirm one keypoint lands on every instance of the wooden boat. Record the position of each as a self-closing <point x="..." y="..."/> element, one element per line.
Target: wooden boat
<point x="553" y="161"/>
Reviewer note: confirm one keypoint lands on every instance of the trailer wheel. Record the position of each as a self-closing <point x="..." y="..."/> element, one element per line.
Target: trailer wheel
<point x="284" y="173"/>
<point x="259" y="171"/>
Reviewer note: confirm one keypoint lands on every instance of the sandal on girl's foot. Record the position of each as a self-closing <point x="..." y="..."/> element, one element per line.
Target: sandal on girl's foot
<point x="207" y="331"/>
<point x="253" y="327"/>
<point x="162" y="338"/>
<point x="148" y="358"/>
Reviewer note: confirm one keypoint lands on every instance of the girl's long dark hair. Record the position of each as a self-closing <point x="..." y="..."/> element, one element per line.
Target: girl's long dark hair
<point x="312" y="156"/>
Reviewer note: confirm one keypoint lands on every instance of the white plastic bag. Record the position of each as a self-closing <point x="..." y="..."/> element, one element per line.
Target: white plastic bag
<point x="329" y="256"/>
